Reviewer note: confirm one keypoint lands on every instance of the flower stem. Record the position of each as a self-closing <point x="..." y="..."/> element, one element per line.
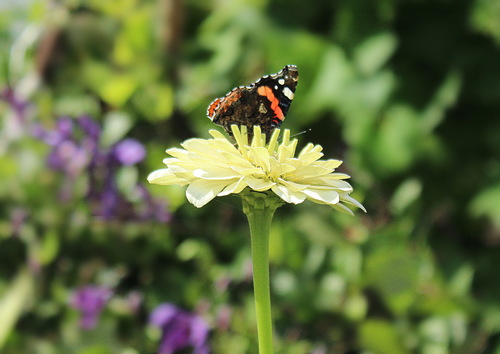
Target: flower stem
<point x="259" y="209"/>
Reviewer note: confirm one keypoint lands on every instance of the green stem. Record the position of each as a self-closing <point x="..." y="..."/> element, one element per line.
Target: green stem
<point x="259" y="209"/>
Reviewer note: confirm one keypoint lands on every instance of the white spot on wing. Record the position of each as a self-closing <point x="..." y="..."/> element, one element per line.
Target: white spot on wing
<point x="281" y="81"/>
<point x="288" y="93"/>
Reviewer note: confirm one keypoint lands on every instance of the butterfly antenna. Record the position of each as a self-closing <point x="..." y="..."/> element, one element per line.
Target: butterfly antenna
<point x="302" y="132"/>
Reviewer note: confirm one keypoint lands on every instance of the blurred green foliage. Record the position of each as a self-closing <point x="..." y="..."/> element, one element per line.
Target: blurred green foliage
<point x="406" y="92"/>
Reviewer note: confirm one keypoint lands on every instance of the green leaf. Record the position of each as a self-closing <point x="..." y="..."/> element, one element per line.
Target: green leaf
<point x="397" y="139"/>
<point x="114" y="88"/>
<point x="49" y="248"/>
<point x="372" y="54"/>
<point x="380" y="336"/>
<point x="444" y="98"/>
<point x="115" y="127"/>
<point x="155" y="101"/>
<point x="394" y="272"/>
<point x="14" y="302"/>
<point x="407" y="192"/>
<point x="118" y="89"/>
<point x="486" y="204"/>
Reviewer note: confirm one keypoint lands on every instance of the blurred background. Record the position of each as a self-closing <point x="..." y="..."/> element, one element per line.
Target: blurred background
<point x="406" y="92"/>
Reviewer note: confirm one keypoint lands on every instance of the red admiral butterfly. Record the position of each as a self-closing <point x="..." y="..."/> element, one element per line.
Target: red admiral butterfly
<point x="264" y="103"/>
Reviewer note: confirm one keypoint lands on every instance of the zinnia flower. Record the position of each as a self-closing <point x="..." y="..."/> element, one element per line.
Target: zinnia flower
<point x="216" y="167"/>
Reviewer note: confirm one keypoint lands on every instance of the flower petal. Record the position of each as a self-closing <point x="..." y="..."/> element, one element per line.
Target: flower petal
<point x="177" y="153"/>
<point x="258" y="184"/>
<point x="310" y="153"/>
<point x="286" y="151"/>
<point x="330" y="164"/>
<point x="350" y="200"/>
<point x="297" y="187"/>
<point x="329" y="181"/>
<point x="260" y="157"/>
<point x="308" y="172"/>
<point x="217" y="134"/>
<point x="279" y="169"/>
<point x="241" y="137"/>
<point x="165" y="177"/>
<point x="342" y="208"/>
<point x="259" y="138"/>
<point x="288" y="195"/>
<point x="322" y="196"/>
<point x="273" y="141"/>
<point x="200" y="192"/>
<point x="235" y="187"/>
<point x="215" y="172"/>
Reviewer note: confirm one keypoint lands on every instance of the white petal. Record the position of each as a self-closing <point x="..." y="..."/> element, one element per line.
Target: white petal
<point x="311" y="157"/>
<point x="235" y="159"/>
<point x="208" y="148"/>
<point x="165" y="177"/>
<point x="217" y="134"/>
<point x="322" y="195"/>
<point x="308" y="172"/>
<point x="286" y="151"/>
<point x="350" y="200"/>
<point x="297" y="187"/>
<point x="310" y="147"/>
<point x="200" y="192"/>
<point x="240" y="135"/>
<point x="176" y="152"/>
<point x="329" y="181"/>
<point x="337" y="175"/>
<point x="259" y="138"/>
<point x="288" y="195"/>
<point x="279" y="169"/>
<point x="248" y="170"/>
<point x="235" y="187"/>
<point x="310" y="153"/>
<point x="215" y="172"/>
<point x="342" y="208"/>
<point x="306" y="149"/>
<point x="258" y="184"/>
<point x="329" y="164"/>
<point x="273" y="141"/>
<point x="168" y="160"/>
<point x="259" y="157"/>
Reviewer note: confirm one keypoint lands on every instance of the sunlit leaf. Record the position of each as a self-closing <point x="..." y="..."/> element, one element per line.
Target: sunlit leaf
<point x="116" y="125"/>
<point x="118" y="89"/>
<point x="379" y="336"/>
<point x="374" y="52"/>
<point x="14" y="301"/>
<point x="155" y="101"/>
<point x="487" y="204"/>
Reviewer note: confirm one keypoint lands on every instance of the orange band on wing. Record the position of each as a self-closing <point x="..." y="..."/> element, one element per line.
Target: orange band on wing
<point x="213" y="108"/>
<point x="268" y="93"/>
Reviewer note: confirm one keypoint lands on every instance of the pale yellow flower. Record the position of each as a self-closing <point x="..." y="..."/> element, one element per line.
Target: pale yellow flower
<point x="216" y="167"/>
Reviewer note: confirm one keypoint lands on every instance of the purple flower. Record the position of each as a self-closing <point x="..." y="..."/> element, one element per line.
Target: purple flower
<point x="128" y="152"/>
<point x="90" y="301"/>
<point x="77" y="152"/>
<point x="69" y="154"/>
<point x="90" y="127"/>
<point x="180" y="329"/>
<point x="18" y="105"/>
